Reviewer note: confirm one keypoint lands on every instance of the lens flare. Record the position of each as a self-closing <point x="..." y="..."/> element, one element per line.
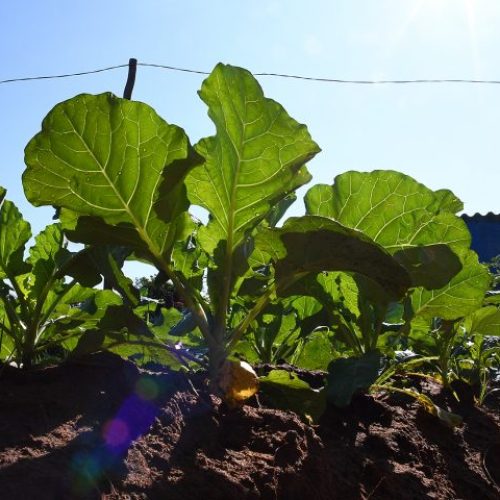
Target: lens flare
<point x="147" y="389"/>
<point x="116" y="432"/>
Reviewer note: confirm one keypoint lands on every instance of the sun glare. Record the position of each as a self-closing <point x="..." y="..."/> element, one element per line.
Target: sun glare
<point x="443" y="6"/>
<point x="439" y="16"/>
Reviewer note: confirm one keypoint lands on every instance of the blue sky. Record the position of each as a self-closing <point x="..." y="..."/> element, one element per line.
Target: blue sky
<point x="443" y="135"/>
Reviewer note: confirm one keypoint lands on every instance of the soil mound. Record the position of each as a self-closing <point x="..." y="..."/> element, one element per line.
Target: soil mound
<point x="103" y="429"/>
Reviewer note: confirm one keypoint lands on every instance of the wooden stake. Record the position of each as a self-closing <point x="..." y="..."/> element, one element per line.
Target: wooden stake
<point x="129" y="86"/>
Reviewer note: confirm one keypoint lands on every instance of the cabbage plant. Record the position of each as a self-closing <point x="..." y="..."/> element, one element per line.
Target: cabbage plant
<point x="120" y="175"/>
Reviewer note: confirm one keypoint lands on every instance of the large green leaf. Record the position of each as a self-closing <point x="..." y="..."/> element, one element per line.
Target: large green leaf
<point x="485" y="321"/>
<point x="392" y="208"/>
<point x="461" y="296"/>
<point x="310" y="244"/>
<point x="401" y="215"/>
<point x="116" y="162"/>
<point x="14" y="234"/>
<point x="256" y="158"/>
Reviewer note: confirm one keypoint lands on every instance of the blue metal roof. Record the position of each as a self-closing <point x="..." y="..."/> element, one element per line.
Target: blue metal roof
<point x="485" y="231"/>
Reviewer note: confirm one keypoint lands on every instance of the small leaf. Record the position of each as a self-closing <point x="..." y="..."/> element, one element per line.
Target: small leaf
<point x="287" y="391"/>
<point x="347" y="375"/>
<point x="14" y="234"/>
<point x="237" y="381"/>
<point x="317" y="353"/>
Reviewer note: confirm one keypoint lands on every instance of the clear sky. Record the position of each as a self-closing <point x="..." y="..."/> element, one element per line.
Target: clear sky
<point x="444" y="135"/>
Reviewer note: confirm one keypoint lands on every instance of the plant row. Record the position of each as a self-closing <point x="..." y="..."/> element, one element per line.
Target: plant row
<point x="375" y="280"/>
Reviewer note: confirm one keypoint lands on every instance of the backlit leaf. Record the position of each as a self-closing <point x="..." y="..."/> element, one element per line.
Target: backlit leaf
<point x="401" y="215"/>
<point x="461" y="296"/>
<point x="310" y="244"/>
<point x="116" y="162"/>
<point x="14" y="234"/>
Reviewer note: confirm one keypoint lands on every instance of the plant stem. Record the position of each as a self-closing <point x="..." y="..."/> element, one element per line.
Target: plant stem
<point x="54" y="304"/>
<point x="254" y="312"/>
<point x="447" y="336"/>
<point x="25" y="307"/>
<point x="185" y="290"/>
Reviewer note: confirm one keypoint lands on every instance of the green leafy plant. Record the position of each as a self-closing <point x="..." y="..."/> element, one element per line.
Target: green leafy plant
<point x="121" y="175"/>
<point x="42" y="297"/>
<point x="464" y="350"/>
<point x="49" y="309"/>
<point x="420" y="229"/>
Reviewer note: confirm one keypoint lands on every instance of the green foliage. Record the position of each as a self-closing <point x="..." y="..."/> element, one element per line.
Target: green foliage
<point x="122" y="176"/>
<point x="347" y="375"/>
<point x="341" y="249"/>
<point x="118" y="164"/>
<point x="375" y="259"/>
<point x="466" y="350"/>
<point x="416" y="225"/>
<point x="40" y="310"/>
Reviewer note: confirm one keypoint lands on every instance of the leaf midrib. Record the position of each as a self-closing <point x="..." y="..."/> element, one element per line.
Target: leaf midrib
<point x="140" y="228"/>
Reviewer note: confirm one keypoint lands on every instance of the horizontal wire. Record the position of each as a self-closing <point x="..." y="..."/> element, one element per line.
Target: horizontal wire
<point x="173" y="68"/>
<point x="48" y="77"/>
<point x="279" y="75"/>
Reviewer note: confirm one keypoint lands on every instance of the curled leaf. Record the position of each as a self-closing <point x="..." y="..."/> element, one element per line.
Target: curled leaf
<point x="447" y="417"/>
<point x="237" y="381"/>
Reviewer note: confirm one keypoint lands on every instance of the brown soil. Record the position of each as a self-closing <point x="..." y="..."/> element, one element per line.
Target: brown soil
<point x="102" y="429"/>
